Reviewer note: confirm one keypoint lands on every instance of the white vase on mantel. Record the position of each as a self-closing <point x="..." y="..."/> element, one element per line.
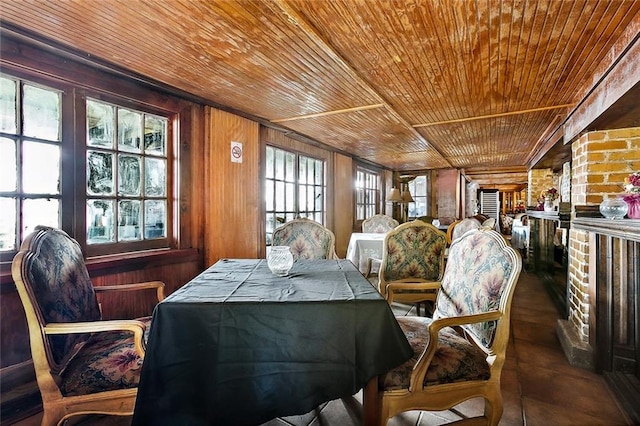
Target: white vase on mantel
<point x="548" y="206"/>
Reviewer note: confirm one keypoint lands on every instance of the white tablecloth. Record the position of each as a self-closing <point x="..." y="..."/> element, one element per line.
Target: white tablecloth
<point x="519" y="235"/>
<point x="362" y="246"/>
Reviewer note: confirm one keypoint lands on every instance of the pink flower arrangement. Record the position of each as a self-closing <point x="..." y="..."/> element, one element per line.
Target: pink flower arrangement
<point x="550" y="194"/>
<point x="632" y="195"/>
<point x="632" y="183"/>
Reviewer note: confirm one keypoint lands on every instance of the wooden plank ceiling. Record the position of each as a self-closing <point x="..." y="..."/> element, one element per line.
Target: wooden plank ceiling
<point x="477" y="85"/>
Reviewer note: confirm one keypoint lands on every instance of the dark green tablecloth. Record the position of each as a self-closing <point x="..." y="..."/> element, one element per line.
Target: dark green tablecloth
<point x="239" y="346"/>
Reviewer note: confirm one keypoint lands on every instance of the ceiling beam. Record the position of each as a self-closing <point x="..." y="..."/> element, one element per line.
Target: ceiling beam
<point x="502" y="114"/>
<point x="322" y="114"/>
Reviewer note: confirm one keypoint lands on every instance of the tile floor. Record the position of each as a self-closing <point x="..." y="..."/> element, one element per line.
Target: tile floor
<point x="539" y="386"/>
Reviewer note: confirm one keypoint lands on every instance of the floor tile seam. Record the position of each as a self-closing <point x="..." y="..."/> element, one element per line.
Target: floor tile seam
<point x="516" y="361"/>
<point x="566" y="374"/>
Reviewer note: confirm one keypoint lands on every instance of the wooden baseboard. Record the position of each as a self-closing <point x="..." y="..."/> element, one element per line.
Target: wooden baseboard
<point x="19" y="393"/>
<point x="16" y="375"/>
<point x="626" y="388"/>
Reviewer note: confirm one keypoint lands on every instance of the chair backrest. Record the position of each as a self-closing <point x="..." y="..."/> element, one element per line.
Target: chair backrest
<point x="489" y="223"/>
<point x="463" y="226"/>
<point x="54" y="286"/>
<point x="379" y="224"/>
<point x="307" y="239"/>
<point x="413" y="250"/>
<point x="480" y="276"/>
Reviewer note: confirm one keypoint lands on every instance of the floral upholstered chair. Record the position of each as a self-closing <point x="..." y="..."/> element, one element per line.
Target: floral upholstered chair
<point x="459" y="227"/>
<point x="83" y="364"/>
<point x="307" y="239"/>
<point x="379" y="224"/>
<point x="460" y="351"/>
<point x="412" y="263"/>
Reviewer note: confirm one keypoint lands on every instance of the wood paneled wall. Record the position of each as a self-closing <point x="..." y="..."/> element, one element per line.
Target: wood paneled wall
<point x="343" y="202"/>
<point x="448" y="194"/>
<point x="232" y="192"/>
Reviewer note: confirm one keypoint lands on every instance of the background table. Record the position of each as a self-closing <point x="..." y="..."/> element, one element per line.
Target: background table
<point x="238" y="345"/>
<point x="519" y="235"/>
<point x="364" y="245"/>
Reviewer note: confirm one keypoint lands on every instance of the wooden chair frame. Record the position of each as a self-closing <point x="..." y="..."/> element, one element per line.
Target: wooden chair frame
<point x="57" y="408"/>
<point x="440" y="397"/>
<point x="414" y="289"/>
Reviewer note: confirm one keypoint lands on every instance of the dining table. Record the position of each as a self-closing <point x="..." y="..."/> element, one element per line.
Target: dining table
<point x="239" y="345"/>
<point x="365" y="245"/>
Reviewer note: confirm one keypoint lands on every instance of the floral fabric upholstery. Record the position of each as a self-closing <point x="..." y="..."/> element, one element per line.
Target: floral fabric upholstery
<point x="107" y="361"/>
<point x="464" y="226"/>
<point x="506" y="223"/>
<point x="455" y="360"/>
<point x="379" y="224"/>
<point x="414" y="251"/>
<point x="306" y="238"/>
<point x="58" y="279"/>
<point x="475" y="277"/>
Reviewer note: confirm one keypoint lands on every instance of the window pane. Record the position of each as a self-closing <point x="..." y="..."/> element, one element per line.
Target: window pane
<point x="318" y="169"/>
<point x="269" y="173"/>
<point x="100" y="221"/>
<point x="128" y="220"/>
<point x="155" y="135"/>
<point x="318" y="198"/>
<point x="302" y="175"/>
<point x="8" y="223"/>
<point x="155" y="173"/>
<point x="291" y="167"/>
<point x="8" y="165"/>
<point x="155" y="219"/>
<point x="129" y="130"/>
<point x="100" y="124"/>
<point x="279" y="163"/>
<point x="268" y="194"/>
<point x="40" y="211"/>
<point x="279" y="196"/>
<point x="8" y="116"/>
<point x="41" y="168"/>
<point x="290" y="196"/>
<point x="129" y="175"/>
<point x="99" y="173"/>
<point x="41" y="111"/>
<point x="302" y="197"/>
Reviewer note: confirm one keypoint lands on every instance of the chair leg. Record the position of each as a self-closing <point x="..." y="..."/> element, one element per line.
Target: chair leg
<point x="52" y="417"/>
<point x="493" y="408"/>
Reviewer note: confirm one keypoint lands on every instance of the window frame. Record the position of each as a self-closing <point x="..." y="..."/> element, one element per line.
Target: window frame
<point x="377" y="191"/>
<point x="427" y="196"/>
<point x="81" y="196"/>
<point x="296" y="212"/>
<point x="73" y="195"/>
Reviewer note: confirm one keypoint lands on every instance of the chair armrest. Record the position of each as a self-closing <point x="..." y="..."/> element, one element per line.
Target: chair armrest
<point x="408" y="284"/>
<point x="422" y="365"/>
<point x="158" y="285"/>
<point x="134" y="326"/>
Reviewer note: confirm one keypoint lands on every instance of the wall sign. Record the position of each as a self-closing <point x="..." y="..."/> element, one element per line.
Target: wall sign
<point x="236" y="152"/>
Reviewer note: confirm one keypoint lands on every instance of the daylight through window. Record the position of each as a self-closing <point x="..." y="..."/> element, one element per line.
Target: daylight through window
<point x="126" y="174"/>
<point x="294" y="187"/>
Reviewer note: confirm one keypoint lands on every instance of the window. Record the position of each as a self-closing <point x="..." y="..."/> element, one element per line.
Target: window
<point x="419" y="190"/>
<point x="30" y="159"/>
<point x="106" y="181"/>
<point x="294" y="187"/>
<point x="126" y="174"/>
<point x="367" y="193"/>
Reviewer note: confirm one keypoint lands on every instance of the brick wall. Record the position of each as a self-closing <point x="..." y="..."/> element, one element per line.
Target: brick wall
<point x="600" y="162"/>
<point x="539" y="180"/>
<point x="605" y="158"/>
